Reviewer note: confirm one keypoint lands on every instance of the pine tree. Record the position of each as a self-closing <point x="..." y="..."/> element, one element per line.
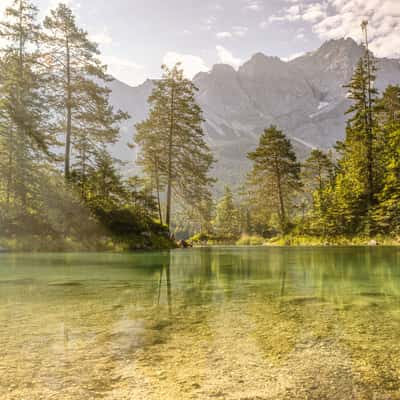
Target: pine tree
<point x="81" y="98"/>
<point x="150" y="156"/>
<point x="357" y="180"/>
<point x="318" y="176"/>
<point x="171" y="141"/>
<point x="25" y="128"/>
<point x="387" y="214"/>
<point x="227" y="219"/>
<point x="276" y="172"/>
<point x="103" y="184"/>
<point x="140" y="196"/>
<point x="317" y="171"/>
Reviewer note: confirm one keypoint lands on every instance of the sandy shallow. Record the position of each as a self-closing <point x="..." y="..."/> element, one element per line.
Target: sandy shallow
<point x="260" y="348"/>
<point x="228" y="325"/>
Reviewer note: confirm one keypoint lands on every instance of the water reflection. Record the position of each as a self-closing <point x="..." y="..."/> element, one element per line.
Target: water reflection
<point x="206" y="323"/>
<point x="165" y="270"/>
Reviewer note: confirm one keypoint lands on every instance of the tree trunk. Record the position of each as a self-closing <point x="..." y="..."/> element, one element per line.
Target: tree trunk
<point x="83" y="169"/>
<point x="170" y="146"/>
<point x="158" y="194"/>
<point x="369" y="123"/>
<point x="282" y="212"/>
<point x="21" y="131"/>
<point x="10" y="167"/>
<point x="68" y="132"/>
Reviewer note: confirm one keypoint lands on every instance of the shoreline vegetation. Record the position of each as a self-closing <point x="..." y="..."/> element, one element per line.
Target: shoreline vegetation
<point x="297" y="241"/>
<point x="144" y="241"/>
<point x="62" y="190"/>
<point x="43" y="245"/>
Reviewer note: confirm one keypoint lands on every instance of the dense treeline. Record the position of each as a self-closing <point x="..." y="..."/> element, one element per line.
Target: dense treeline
<point x="59" y="186"/>
<point x="350" y="192"/>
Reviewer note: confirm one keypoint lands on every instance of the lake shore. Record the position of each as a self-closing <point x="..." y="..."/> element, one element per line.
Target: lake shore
<point x="38" y="244"/>
<point x="305" y="241"/>
<point x="43" y="245"/>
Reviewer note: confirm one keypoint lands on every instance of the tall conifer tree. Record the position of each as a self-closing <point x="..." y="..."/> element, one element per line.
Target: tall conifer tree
<point x="275" y="166"/>
<point x="387" y="212"/>
<point x="227" y="218"/>
<point x="25" y="129"/>
<point x="81" y="98"/>
<point x="357" y="182"/>
<point x="172" y="143"/>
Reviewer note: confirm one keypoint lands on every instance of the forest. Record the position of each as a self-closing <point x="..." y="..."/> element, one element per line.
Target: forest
<point x="61" y="189"/>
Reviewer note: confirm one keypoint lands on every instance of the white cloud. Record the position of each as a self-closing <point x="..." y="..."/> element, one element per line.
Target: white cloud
<point x="218" y="7"/>
<point x="226" y="57"/>
<point x="334" y="19"/>
<point x="314" y="12"/>
<point x="125" y="70"/>
<point x="191" y="64"/>
<point x="208" y="23"/>
<point x="297" y="11"/>
<point x="240" y="30"/>
<point x="223" y="35"/>
<point x="253" y="5"/>
<point x="346" y="16"/>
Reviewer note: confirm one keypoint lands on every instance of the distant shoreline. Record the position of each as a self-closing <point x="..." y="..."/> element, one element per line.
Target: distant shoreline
<point x="304" y="241"/>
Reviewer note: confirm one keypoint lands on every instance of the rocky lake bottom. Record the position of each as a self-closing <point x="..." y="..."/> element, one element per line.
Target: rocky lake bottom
<point x="221" y="323"/>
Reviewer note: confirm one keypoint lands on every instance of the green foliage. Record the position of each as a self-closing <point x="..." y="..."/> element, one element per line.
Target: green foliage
<point x="200" y="238"/>
<point x="52" y="93"/>
<point x="173" y="152"/>
<point x="25" y="133"/>
<point x="226" y="224"/>
<point x="318" y="175"/>
<point x="387" y="212"/>
<point x="246" y="240"/>
<point x="357" y="181"/>
<point x="55" y="108"/>
<point x="363" y="197"/>
<point x="80" y="99"/>
<point x="275" y="177"/>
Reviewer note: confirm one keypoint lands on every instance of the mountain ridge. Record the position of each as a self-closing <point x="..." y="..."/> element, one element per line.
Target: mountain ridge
<point x="305" y="97"/>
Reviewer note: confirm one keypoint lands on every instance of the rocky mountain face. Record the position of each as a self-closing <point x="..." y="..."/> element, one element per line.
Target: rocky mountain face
<point x="304" y="97"/>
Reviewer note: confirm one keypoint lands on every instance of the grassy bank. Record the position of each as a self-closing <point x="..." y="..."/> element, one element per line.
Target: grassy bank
<point x="302" y="240"/>
<point x="37" y="243"/>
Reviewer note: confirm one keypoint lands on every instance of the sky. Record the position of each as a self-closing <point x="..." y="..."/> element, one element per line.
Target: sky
<point x="137" y="36"/>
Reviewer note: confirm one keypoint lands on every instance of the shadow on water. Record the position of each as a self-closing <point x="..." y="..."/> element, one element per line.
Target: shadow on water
<point x="165" y="270"/>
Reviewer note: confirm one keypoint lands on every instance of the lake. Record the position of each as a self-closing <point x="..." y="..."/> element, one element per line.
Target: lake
<point x="220" y="323"/>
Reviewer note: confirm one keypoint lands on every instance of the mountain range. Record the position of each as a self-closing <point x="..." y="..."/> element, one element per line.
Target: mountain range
<point x="305" y="97"/>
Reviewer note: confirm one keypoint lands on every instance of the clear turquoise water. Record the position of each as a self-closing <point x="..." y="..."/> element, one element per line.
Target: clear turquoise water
<point x="221" y="323"/>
